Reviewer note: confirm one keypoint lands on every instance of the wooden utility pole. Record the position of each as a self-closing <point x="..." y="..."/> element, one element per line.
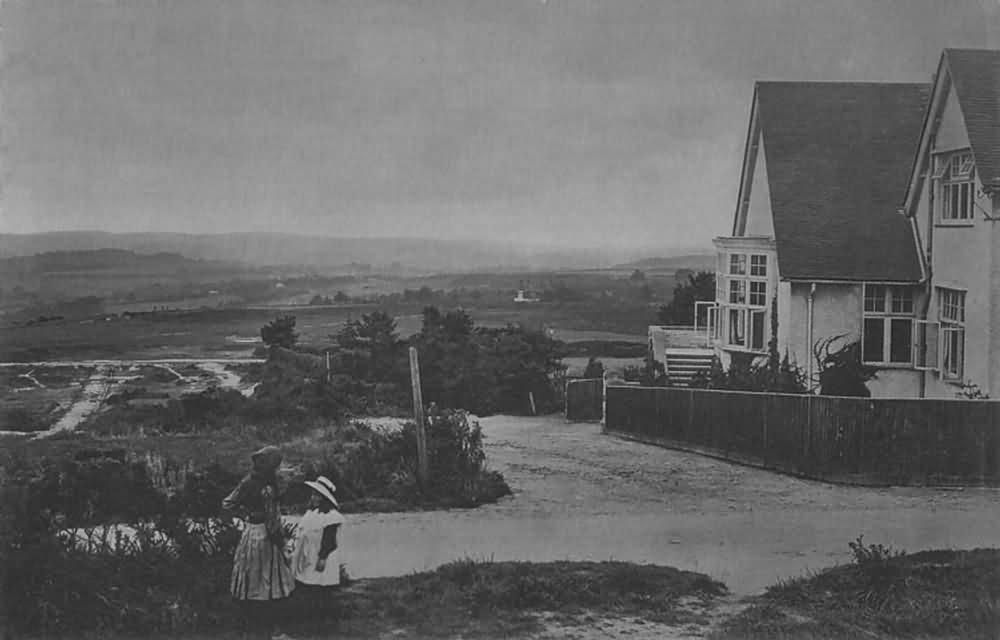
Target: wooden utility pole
<point x="418" y="416"/>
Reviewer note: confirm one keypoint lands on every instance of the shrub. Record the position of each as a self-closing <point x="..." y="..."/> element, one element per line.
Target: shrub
<point x="280" y="332"/>
<point x="486" y="371"/>
<point x="841" y="372"/>
<point x="594" y="368"/>
<point x="164" y="577"/>
<point x="746" y="375"/>
<point x="369" y="464"/>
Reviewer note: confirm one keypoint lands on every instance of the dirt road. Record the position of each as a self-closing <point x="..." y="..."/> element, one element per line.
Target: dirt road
<point x="581" y="495"/>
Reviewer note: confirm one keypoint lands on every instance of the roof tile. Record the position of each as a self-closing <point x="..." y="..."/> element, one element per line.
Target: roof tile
<point x="838" y="156"/>
<point x="976" y="76"/>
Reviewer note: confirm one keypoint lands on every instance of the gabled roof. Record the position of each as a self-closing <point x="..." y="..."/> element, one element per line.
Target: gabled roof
<point x="976" y="76"/>
<point x="838" y="158"/>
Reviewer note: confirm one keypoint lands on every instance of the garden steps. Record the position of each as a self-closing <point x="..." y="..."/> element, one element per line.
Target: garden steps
<point x="682" y="365"/>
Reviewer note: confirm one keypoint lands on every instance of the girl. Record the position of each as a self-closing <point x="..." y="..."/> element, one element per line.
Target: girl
<point x="313" y="559"/>
<point x="260" y="569"/>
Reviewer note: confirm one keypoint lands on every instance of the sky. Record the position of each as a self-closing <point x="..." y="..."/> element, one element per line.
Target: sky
<point x="564" y="123"/>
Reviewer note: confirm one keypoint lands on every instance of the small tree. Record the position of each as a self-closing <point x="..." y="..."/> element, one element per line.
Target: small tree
<point x="680" y="310"/>
<point x="280" y="332"/>
<point x="638" y="276"/>
<point x="595" y="369"/>
<point x="842" y="372"/>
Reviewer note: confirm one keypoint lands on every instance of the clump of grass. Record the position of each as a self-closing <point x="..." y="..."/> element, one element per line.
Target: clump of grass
<point x="884" y="593"/>
<point x="480" y="597"/>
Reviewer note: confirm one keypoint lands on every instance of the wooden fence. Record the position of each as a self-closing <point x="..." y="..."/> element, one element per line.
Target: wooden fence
<point x="870" y="441"/>
<point x="585" y="399"/>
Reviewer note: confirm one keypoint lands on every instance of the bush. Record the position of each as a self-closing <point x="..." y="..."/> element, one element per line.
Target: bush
<point x="841" y="372"/>
<point x="746" y="375"/>
<point x="369" y="464"/>
<point x="486" y="371"/>
<point x="594" y="369"/>
<point x="165" y="577"/>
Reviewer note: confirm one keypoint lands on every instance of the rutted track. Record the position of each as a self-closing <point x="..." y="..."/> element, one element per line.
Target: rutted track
<point x="582" y="495"/>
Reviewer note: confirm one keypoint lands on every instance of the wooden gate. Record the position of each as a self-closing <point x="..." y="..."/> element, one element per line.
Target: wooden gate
<point x="585" y="400"/>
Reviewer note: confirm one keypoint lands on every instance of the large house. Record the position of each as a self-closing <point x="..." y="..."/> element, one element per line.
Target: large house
<point x="867" y="211"/>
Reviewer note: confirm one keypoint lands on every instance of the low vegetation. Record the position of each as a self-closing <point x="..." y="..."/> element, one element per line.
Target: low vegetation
<point x="178" y="582"/>
<point x="882" y="594"/>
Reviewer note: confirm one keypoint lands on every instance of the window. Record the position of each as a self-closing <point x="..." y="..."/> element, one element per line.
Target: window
<point x="757" y="319"/>
<point x="887" y="332"/>
<point x="738" y="264"/>
<point x="745" y="299"/>
<point x="738" y="327"/>
<point x="957" y="193"/>
<point x="737" y="291"/>
<point x="951" y="313"/>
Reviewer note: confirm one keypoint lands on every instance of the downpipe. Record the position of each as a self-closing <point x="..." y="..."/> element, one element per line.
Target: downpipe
<point x="809" y="332"/>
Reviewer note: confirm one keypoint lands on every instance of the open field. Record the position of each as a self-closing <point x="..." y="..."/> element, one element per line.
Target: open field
<point x="216" y="333"/>
<point x="46" y="398"/>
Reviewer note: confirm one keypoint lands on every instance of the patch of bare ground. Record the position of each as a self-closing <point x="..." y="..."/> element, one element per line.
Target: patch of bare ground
<point x="698" y="618"/>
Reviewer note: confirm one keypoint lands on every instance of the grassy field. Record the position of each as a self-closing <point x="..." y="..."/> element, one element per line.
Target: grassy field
<point x="209" y="332"/>
<point x="473" y="599"/>
<point x="34" y="399"/>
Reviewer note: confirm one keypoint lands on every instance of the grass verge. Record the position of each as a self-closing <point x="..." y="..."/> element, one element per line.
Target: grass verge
<point x="477" y="599"/>
<point x="942" y="594"/>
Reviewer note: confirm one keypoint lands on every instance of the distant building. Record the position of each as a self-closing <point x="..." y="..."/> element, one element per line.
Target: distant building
<point x="526" y="296"/>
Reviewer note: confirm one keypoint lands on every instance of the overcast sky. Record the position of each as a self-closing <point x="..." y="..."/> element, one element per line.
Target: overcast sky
<point x="570" y="122"/>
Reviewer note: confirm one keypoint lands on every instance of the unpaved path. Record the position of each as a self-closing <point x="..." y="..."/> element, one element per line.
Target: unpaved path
<point x="582" y="495"/>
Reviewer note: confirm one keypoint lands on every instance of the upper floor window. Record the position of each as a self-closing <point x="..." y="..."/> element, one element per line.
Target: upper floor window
<point x="955" y="174"/>
<point x="737" y="264"/>
<point x="887" y="333"/>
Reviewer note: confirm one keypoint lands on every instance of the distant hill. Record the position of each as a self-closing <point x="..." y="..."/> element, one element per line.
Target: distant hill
<point x="104" y="259"/>
<point x="274" y="249"/>
<point x="693" y="261"/>
<point x="105" y="271"/>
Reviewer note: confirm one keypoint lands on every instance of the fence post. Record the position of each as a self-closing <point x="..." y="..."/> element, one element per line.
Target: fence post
<point x="604" y="400"/>
<point x="418" y="414"/>
<point x="763" y="420"/>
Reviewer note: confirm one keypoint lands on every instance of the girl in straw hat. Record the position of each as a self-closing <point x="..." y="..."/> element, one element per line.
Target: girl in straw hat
<point x="261" y="571"/>
<point x="314" y="559"/>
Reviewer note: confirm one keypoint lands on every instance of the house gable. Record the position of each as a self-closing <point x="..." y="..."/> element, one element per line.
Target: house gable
<point x="964" y="111"/>
<point x="759" y="219"/>
<point x="747" y="170"/>
<point x="951" y="133"/>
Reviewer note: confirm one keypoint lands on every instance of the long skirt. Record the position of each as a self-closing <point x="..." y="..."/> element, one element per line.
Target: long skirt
<point x="260" y="569"/>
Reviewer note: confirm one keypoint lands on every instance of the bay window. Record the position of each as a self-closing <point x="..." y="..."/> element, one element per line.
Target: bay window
<point x="887" y="332"/>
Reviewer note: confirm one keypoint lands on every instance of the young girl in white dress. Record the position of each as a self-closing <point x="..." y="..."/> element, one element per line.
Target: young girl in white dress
<point x="315" y="558"/>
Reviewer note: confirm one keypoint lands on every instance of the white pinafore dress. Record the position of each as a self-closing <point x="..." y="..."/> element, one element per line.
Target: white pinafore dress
<point x="307" y="547"/>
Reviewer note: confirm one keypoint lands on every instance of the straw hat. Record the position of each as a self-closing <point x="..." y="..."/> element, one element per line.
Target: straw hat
<point x="324" y="487"/>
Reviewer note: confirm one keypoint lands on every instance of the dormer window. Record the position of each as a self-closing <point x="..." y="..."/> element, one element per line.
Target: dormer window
<point x="961" y="166"/>
<point x="955" y="176"/>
